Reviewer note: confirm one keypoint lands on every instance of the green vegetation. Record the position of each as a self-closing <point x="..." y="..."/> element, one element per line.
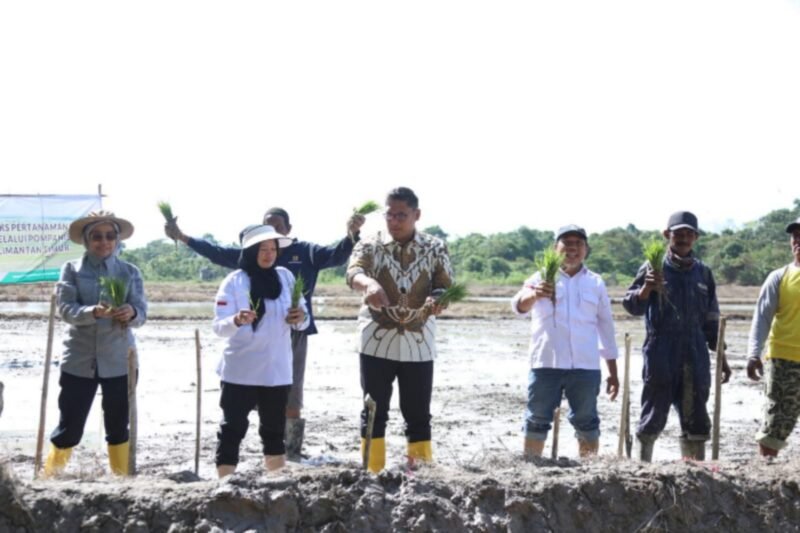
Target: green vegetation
<point x="452" y="294"/>
<point x="113" y="291"/>
<point x="159" y="261"/>
<point x="367" y="208"/>
<point x="654" y="253"/>
<point x="744" y="256"/>
<point x="548" y="264"/>
<point x="254" y="305"/>
<point x="166" y="211"/>
<point x="298" y="290"/>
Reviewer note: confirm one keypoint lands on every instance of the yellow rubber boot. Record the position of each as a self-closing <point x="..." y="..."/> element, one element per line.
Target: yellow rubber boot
<point x="377" y="454"/>
<point x="420" y="451"/>
<point x="56" y="461"/>
<point x="118" y="458"/>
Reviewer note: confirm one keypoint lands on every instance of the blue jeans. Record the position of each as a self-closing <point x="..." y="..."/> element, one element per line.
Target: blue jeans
<point x="580" y="386"/>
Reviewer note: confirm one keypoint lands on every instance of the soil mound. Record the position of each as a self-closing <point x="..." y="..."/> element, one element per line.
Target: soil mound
<point x="500" y="494"/>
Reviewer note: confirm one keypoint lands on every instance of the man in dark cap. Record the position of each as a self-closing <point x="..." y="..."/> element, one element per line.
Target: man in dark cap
<point x="776" y="324"/>
<point x="681" y="327"/>
<point x="570" y="335"/>
<point x="303" y="259"/>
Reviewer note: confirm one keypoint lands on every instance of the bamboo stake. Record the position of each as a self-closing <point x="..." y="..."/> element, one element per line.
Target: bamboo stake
<point x="369" y="403"/>
<point x="132" y="412"/>
<point x="625" y="438"/>
<point x="45" y="385"/>
<point x="556" y="424"/>
<point x="199" y="403"/>
<point x="718" y="389"/>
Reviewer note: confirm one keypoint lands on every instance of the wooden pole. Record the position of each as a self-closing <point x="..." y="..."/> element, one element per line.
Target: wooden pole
<point x="625" y="439"/>
<point x="556" y="425"/>
<point x="369" y="403"/>
<point x="45" y="385"/>
<point x="133" y="415"/>
<point x="718" y="388"/>
<point x="199" y="403"/>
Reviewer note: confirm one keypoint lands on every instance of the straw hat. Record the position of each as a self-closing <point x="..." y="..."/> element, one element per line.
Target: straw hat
<point x="256" y="234"/>
<point x="76" y="228"/>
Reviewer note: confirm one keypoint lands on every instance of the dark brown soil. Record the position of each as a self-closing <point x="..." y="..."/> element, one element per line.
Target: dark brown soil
<point x="500" y="494"/>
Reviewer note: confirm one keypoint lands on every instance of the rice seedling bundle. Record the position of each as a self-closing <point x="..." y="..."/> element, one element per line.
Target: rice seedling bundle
<point x="297" y="290"/>
<point x="114" y="289"/>
<point x="366" y="208"/>
<point x="452" y="294"/>
<point x="548" y="264"/>
<point x="166" y="212"/>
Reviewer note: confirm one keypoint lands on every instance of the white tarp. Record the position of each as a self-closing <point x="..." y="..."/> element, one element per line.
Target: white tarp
<point x="34" y="242"/>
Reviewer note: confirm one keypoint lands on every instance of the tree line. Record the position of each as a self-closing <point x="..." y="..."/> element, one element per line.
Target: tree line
<point x="743" y="256"/>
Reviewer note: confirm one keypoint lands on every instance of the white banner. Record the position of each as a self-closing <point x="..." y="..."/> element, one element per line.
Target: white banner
<point x="34" y="239"/>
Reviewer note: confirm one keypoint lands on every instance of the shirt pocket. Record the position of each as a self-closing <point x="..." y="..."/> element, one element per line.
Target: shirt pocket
<point x="589" y="302"/>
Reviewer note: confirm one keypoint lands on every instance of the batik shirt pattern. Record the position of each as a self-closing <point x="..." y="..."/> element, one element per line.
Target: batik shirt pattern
<point x="409" y="273"/>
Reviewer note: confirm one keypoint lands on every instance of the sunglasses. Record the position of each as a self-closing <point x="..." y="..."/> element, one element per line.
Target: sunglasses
<point x="109" y="236"/>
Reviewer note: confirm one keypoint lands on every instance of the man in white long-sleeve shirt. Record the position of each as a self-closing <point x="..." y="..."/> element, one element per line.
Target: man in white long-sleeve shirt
<point x="568" y="339"/>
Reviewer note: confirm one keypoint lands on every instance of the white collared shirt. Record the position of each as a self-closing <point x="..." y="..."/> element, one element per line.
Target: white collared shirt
<point x="582" y="330"/>
<point x="262" y="357"/>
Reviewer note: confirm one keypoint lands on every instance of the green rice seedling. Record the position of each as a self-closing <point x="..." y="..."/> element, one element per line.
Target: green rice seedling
<point x="166" y="212"/>
<point x="548" y="264"/>
<point x="254" y="305"/>
<point x="114" y="290"/>
<point x="297" y="290"/>
<point x="366" y="208"/>
<point x="654" y="253"/>
<point x="453" y="294"/>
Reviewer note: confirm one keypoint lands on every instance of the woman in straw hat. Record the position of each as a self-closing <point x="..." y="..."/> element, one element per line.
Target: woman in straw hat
<point x="97" y="339"/>
<point x="254" y="314"/>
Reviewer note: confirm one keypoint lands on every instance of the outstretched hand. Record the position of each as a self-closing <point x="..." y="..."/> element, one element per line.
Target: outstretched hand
<point x="354" y="224"/>
<point x="172" y="231"/>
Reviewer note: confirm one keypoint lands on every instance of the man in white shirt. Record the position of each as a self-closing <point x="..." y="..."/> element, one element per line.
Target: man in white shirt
<point x="568" y="339"/>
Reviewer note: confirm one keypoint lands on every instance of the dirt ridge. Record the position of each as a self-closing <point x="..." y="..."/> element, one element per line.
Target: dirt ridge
<point x="502" y="494"/>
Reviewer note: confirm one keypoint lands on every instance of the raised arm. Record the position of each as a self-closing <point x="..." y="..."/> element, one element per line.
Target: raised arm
<point x="224" y="256"/>
<point x="337" y="254"/>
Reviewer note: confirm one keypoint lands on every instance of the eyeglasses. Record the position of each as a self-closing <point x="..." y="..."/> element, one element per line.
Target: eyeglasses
<point x="400" y="217"/>
<point x="109" y="236"/>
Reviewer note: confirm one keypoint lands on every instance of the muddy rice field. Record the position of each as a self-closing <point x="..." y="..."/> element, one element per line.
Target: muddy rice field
<point x="479" y="481"/>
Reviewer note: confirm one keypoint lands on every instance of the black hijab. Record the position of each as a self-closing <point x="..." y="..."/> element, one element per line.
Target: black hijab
<point x="264" y="282"/>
